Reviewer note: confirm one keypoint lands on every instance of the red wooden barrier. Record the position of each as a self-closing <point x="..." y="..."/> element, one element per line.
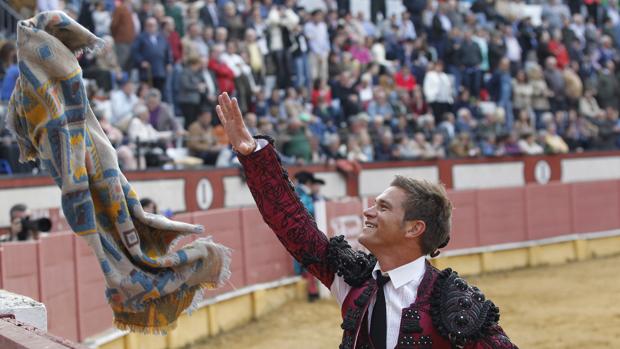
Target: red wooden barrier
<point x="265" y="258"/>
<point x="20" y="268"/>
<point x="501" y="215"/>
<point x="595" y="206"/>
<point x="548" y="210"/>
<point x="225" y="227"/>
<point x="345" y="218"/>
<point x="464" y="220"/>
<point x="94" y="313"/>
<point x="58" y="287"/>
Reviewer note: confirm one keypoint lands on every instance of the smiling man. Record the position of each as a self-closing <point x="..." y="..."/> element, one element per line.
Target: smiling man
<point x="391" y="298"/>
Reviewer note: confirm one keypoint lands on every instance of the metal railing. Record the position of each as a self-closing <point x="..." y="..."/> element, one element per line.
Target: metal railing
<point x="8" y="21"/>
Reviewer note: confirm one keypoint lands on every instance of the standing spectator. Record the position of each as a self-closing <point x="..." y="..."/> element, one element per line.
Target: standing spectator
<point x="174" y="39"/>
<point x="192" y="88"/>
<point x="438" y="91"/>
<point x="172" y="9"/>
<point x="500" y="87"/>
<point x="556" y="83"/>
<point x="299" y="51"/>
<point x="210" y="14"/>
<point x="101" y="19"/>
<point x="513" y="49"/>
<point x="280" y="21"/>
<point x="522" y="92"/>
<point x="152" y="55"/>
<point x="232" y="21"/>
<point x="255" y="55"/>
<point x="316" y="32"/>
<point x="470" y="58"/>
<point x="223" y="74"/>
<point x="124" y="32"/>
<point x="540" y="93"/>
<point x="193" y="43"/>
<point x="608" y="88"/>
<point x="244" y="81"/>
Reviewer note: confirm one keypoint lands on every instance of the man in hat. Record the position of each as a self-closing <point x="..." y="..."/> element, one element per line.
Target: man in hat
<point x="392" y="297"/>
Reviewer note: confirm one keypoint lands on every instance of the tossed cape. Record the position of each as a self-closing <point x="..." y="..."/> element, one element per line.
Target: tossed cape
<point x="148" y="284"/>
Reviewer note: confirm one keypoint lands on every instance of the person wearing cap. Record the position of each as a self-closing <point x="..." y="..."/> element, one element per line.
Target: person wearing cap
<point x="392" y="297"/>
<point x="304" y="190"/>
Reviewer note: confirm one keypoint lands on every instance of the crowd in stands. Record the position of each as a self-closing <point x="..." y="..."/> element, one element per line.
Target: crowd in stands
<point x="441" y="79"/>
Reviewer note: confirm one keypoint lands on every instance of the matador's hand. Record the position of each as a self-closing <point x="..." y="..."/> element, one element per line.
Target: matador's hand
<point x="230" y="115"/>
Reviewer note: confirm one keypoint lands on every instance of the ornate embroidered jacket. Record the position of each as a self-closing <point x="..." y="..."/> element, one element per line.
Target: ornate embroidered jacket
<point x="447" y="312"/>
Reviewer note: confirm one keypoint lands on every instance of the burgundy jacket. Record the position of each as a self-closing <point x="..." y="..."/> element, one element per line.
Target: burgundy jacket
<point x="447" y="313"/>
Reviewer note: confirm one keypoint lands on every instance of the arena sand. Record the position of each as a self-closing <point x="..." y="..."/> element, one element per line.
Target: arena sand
<point x="570" y="306"/>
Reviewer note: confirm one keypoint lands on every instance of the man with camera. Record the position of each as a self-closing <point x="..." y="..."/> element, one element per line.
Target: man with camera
<point x="22" y="227"/>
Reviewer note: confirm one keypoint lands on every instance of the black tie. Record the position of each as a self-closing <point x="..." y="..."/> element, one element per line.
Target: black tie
<point x="378" y="323"/>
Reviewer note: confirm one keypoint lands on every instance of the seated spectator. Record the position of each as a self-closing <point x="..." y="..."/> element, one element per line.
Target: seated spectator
<point x="123" y="102"/>
<point x="147" y="139"/>
<point x="554" y="144"/>
<point x="161" y="116"/>
<point x="404" y="79"/>
<point x="529" y="146"/>
<point x="463" y="146"/>
<point x="201" y="141"/>
<point x="296" y="141"/>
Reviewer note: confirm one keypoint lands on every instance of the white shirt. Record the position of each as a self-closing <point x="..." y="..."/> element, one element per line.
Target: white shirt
<point x="122" y="106"/>
<point x="400" y="293"/>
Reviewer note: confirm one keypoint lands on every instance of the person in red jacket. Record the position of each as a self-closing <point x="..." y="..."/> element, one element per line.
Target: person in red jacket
<point x="392" y="298"/>
<point x="404" y="79"/>
<point x="558" y="50"/>
<point x="224" y="76"/>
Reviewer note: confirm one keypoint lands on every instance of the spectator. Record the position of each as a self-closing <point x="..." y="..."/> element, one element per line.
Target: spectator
<point x="224" y="76"/>
<point x="8" y="54"/>
<point x="19" y="214"/>
<point x="123" y="31"/>
<point x="152" y="54"/>
<point x="102" y="19"/>
<point x="438" y="91"/>
<point x="191" y="90"/>
<point x="174" y="39"/>
<point x="161" y="116"/>
<point x="404" y="79"/>
<point x="232" y="21"/>
<point x="202" y="142"/>
<point x="608" y="88"/>
<point x="210" y="14"/>
<point x="123" y="102"/>
<point x="316" y="32"/>
<point x="280" y="21"/>
<point x="147" y="139"/>
<point x="554" y="144"/>
<point x="529" y="146"/>
<point x="522" y="92"/>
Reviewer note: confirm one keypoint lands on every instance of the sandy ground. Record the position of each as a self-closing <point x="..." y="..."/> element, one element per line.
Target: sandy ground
<point x="570" y="306"/>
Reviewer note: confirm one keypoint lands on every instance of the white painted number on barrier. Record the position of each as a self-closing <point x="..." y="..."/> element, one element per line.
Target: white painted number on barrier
<point x="204" y="194"/>
<point x="542" y="172"/>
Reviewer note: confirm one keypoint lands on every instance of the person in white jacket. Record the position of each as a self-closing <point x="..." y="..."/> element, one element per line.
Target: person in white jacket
<point x="438" y="91"/>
